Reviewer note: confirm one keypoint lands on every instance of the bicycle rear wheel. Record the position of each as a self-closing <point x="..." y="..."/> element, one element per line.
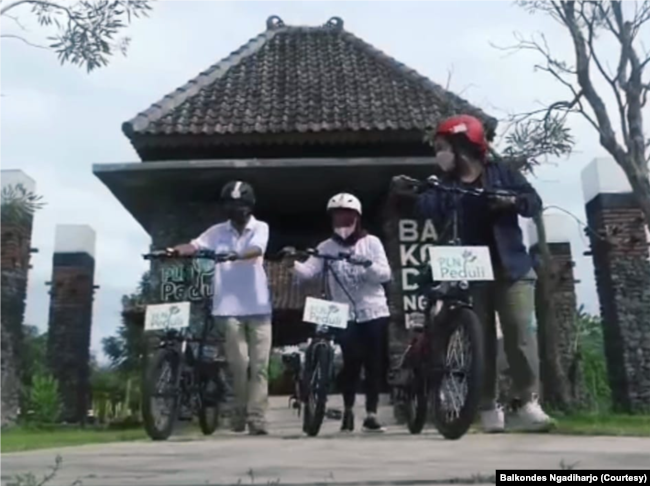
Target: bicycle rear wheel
<point x="457" y="390"/>
<point x="160" y="394"/>
<point x="209" y="410"/>
<point x="416" y="402"/>
<point x="317" y="382"/>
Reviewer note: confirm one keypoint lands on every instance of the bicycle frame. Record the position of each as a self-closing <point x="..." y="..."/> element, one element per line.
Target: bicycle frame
<point x="442" y="298"/>
<point x="323" y="338"/>
<point x="192" y="369"/>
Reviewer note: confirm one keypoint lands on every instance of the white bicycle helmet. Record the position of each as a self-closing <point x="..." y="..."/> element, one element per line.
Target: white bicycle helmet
<point x="344" y="201"/>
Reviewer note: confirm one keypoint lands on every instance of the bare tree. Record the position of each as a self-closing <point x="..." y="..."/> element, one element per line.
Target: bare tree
<point x="84" y="31"/>
<point x="528" y="143"/>
<point x="628" y="83"/>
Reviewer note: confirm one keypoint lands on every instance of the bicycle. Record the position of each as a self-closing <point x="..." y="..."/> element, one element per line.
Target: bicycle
<point x="449" y="345"/>
<point x="185" y="371"/>
<point x="312" y="379"/>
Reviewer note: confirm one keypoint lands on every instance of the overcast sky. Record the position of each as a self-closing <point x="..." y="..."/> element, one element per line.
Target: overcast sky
<point x="57" y="121"/>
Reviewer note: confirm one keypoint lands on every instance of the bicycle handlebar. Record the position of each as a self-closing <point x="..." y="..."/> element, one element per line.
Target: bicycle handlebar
<point x="171" y="254"/>
<point x="313" y="252"/>
<point x="433" y="182"/>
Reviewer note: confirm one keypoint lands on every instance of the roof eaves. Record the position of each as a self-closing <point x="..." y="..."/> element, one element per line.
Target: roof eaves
<point x="141" y="121"/>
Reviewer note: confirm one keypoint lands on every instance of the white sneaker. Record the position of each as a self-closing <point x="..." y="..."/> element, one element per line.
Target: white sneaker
<point x="531" y="418"/>
<point x="493" y="421"/>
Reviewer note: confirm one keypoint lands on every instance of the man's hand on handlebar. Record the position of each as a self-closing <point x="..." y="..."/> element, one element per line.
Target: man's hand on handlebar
<point x="182" y="250"/>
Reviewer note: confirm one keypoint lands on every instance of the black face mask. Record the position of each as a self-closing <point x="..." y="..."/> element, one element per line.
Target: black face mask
<point x="238" y="214"/>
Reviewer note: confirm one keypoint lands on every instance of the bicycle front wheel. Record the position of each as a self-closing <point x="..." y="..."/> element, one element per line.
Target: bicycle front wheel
<point x="317" y="381"/>
<point x="457" y="389"/>
<point x="160" y="394"/>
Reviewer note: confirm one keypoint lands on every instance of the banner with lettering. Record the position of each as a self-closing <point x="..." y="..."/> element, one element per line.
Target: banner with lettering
<point x="407" y="240"/>
<point x="184" y="281"/>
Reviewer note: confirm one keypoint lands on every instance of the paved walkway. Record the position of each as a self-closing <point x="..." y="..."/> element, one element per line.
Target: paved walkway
<point x="359" y="459"/>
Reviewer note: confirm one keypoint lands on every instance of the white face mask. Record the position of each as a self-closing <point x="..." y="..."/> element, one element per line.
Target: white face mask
<point x="445" y="160"/>
<point x="344" y="231"/>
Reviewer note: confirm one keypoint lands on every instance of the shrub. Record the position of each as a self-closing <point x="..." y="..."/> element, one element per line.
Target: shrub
<point x="44" y="403"/>
<point x="591" y="349"/>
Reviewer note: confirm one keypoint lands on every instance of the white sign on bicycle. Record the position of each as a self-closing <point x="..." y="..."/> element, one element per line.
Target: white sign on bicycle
<point x="455" y="263"/>
<point x="160" y="317"/>
<point x="326" y="313"/>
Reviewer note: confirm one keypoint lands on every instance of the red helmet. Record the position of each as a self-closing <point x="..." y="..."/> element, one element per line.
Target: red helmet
<point x="469" y="126"/>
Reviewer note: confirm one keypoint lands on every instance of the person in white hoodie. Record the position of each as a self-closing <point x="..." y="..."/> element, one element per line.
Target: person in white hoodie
<point x="361" y="287"/>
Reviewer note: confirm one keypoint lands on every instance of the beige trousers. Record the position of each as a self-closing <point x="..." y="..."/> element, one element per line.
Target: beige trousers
<point x="515" y="304"/>
<point x="248" y="346"/>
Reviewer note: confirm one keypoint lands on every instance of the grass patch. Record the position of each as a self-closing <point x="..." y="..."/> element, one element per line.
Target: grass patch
<point x="27" y="439"/>
<point x="603" y="424"/>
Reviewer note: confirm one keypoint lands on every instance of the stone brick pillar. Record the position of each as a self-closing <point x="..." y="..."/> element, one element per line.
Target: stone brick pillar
<point x="15" y="245"/>
<point x="622" y="267"/>
<point x="71" y="302"/>
<point x="559" y="228"/>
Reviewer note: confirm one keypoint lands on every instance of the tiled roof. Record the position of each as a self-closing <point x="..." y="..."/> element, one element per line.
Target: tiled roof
<point x="299" y="80"/>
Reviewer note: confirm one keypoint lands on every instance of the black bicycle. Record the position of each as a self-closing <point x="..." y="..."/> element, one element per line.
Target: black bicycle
<point x="443" y="363"/>
<point x="185" y="374"/>
<point x="312" y="380"/>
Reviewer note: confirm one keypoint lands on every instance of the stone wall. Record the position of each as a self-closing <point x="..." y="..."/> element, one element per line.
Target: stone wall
<point x="619" y="248"/>
<point x="559" y="228"/>
<point x="15" y="250"/>
<point x="70" y="319"/>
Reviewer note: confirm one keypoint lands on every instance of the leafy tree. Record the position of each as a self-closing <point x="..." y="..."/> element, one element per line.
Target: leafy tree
<point x="126" y="348"/>
<point x="84" y="32"/>
<point x="34" y="354"/>
<point x="18" y="204"/>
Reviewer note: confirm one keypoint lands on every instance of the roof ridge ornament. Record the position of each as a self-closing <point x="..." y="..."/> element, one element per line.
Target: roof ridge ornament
<point x="274" y="22"/>
<point x="335" y="23"/>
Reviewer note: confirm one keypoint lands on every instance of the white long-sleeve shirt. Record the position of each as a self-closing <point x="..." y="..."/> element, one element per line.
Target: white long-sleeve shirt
<point x="364" y="285"/>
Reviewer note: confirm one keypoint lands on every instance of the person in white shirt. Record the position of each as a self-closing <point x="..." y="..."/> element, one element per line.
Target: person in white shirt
<point x="361" y="287"/>
<point x="242" y="302"/>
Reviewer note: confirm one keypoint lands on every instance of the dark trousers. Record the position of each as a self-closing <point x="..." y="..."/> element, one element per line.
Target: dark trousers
<point x="362" y="344"/>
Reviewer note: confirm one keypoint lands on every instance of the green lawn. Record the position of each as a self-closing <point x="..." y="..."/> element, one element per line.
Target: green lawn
<point x="20" y="439"/>
<point x="601" y="424"/>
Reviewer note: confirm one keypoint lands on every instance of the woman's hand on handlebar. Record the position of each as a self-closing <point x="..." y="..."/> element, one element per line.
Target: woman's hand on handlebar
<point x="359" y="260"/>
<point x="403" y="185"/>
<point x="288" y="255"/>
<point x="502" y="200"/>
